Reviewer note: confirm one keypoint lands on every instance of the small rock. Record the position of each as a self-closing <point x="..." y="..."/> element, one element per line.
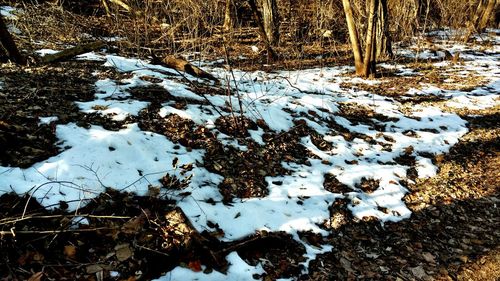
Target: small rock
<point x="428" y="257"/>
<point x="123" y="252"/>
<point x="418" y="272"/>
<point x="346" y="264"/>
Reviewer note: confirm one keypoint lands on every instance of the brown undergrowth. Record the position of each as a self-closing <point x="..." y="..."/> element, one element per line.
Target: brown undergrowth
<point x="452" y="234"/>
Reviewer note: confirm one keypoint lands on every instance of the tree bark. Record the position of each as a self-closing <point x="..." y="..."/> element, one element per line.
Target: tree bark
<point x="184" y="66"/>
<point x="384" y="40"/>
<point x="72" y="52"/>
<point x="488" y="12"/>
<point x="353" y="36"/>
<point x="7" y="42"/>
<point x="271" y="21"/>
<point x="229" y="16"/>
<point x="417" y="11"/>
<point x="271" y="55"/>
<point x="484" y="11"/>
<point x="120" y="3"/>
<point x="370" y="48"/>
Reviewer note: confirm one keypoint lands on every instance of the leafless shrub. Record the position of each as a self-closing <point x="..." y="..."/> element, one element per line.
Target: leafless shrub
<point x="167" y="26"/>
<point x="195" y="26"/>
<point x="51" y="23"/>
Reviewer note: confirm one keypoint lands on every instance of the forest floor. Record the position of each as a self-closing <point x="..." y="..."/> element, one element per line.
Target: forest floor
<point x="113" y="168"/>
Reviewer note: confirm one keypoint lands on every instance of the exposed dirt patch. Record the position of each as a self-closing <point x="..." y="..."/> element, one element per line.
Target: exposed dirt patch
<point x="236" y="126"/>
<point x="152" y="93"/>
<point x="451" y="234"/>
<point x="436" y="243"/>
<point x="368" y="185"/>
<point x="397" y="86"/>
<point x="112" y="233"/>
<point x="279" y="254"/>
<point x="363" y="114"/>
<point x="30" y="93"/>
<point x="332" y="184"/>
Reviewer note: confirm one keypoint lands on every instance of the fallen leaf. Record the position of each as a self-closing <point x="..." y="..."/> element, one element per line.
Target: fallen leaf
<point x="439" y="158"/>
<point x="134" y="225"/>
<point x="409" y="150"/>
<point x="384" y="269"/>
<point x="428" y="257"/>
<point x="70" y="251"/>
<point x="195" y="265"/>
<point x="123" y="252"/>
<point x="29" y="257"/>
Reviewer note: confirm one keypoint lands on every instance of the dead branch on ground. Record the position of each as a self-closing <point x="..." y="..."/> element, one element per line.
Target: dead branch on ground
<point x="72" y="52"/>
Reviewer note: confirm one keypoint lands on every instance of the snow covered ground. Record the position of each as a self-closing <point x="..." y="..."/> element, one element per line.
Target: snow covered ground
<point x="130" y="159"/>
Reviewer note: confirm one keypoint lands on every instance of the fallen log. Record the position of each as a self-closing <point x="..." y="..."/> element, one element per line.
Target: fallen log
<point x="72" y="52"/>
<point x="181" y="64"/>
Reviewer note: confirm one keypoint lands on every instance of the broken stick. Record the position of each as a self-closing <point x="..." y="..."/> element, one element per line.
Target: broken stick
<point x="72" y="52"/>
<point x="181" y="64"/>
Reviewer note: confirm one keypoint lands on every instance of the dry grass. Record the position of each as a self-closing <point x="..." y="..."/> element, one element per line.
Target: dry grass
<point x="308" y="28"/>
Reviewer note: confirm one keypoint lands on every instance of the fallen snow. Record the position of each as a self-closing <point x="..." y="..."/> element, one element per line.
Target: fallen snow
<point x="47" y="120"/>
<point x="8" y="12"/>
<point x="238" y="271"/>
<point x="477" y="99"/>
<point x="94" y="159"/>
<point x="44" y="52"/>
<point x="130" y="159"/>
<point x="478" y="60"/>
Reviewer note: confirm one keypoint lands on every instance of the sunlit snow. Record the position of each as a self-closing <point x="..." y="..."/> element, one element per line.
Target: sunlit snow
<point x="130" y="159"/>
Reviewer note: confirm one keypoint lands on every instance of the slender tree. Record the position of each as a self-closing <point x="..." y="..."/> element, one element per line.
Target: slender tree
<point x="229" y="15"/>
<point x="7" y="42"/>
<point x="485" y="10"/>
<point x="271" y="54"/>
<point x="377" y="40"/>
<point x="370" y="42"/>
<point x="353" y="37"/>
<point x="384" y="40"/>
<point x="271" y="21"/>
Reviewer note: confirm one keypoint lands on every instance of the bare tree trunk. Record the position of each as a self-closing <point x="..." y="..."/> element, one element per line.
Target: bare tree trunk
<point x="370" y="48"/>
<point x="484" y="12"/>
<point x="271" y="21"/>
<point x="7" y="42"/>
<point x="384" y="40"/>
<point x="417" y="11"/>
<point x="229" y="15"/>
<point x="497" y="18"/>
<point x="271" y="55"/>
<point x="488" y="12"/>
<point x="353" y="36"/>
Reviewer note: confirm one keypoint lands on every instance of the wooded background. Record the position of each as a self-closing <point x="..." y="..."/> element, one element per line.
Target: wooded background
<point x="282" y="29"/>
